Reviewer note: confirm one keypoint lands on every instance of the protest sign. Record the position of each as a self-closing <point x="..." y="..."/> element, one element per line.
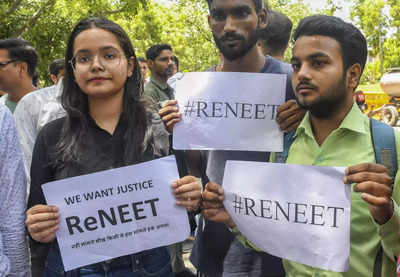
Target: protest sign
<point x="229" y="111"/>
<point x="117" y="212"/>
<point x="296" y="212"/>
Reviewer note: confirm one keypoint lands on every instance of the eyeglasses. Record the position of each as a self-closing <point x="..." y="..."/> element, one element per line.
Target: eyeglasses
<point x="109" y="58"/>
<point x="4" y="64"/>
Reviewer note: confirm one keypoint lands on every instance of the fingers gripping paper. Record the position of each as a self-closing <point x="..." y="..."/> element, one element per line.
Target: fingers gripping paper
<point x="300" y="213"/>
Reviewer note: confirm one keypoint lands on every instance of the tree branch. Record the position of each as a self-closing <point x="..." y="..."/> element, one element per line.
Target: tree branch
<point x="15" y="5"/>
<point x="32" y="22"/>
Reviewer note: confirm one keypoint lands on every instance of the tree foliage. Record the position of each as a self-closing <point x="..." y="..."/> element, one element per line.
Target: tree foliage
<point x="183" y="24"/>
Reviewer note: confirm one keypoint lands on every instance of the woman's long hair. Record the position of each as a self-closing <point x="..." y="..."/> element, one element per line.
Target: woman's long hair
<point x="75" y="102"/>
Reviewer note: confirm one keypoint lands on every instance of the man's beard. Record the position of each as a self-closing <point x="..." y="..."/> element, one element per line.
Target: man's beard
<point x="232" y="54"/>
<point x="326" y="106"/>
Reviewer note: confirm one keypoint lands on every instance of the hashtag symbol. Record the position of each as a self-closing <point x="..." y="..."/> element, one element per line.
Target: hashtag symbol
<point x="189" y="108"/>
<point x="237" y="204"/>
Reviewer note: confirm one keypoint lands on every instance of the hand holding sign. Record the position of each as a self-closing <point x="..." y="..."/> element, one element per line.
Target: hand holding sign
<point x="42" y="222"/>
<point x="375" y="185"/>
<point x="170" y="114"/>
<point x="289" y="115"/>
<point x="213" y="207"/>
<point x="187" y="192"/>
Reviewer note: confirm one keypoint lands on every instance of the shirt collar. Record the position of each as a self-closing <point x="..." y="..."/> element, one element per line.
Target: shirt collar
<point x="158" y="83"/>
<point x="354" y="121"/>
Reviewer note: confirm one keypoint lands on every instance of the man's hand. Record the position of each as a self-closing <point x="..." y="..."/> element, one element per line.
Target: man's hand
<point x="42" y="222"/>
<point x="170" y="114"/>
<point x="289" y="116"/>
<point x="213" y="208"/>
<point x="187" y="191"/>
<point x="375" y="185"/>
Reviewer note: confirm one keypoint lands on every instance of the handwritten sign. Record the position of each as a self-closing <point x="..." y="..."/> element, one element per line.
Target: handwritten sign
<point x="117" y="212"/>
<point x="300" y="213"/>
<point x="229" y="111"/>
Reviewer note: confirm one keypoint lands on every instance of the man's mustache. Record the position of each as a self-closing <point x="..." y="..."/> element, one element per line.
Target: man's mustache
<point x="230" y="36"/>
<point x="307" y="85"/>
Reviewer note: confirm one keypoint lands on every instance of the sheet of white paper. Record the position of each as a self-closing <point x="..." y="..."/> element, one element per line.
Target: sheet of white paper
<point x="300" y="213"/>
<point x="117" y="212"/>
<point x="229" y="111"/>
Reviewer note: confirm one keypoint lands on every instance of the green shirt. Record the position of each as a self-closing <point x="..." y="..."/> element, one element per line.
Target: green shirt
<point x="349" y="145"/>
<point x="11" y="105"/>
<point x="158" y="90"/>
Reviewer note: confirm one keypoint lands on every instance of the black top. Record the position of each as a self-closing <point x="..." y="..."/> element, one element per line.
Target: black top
<point x="101" y="151"/>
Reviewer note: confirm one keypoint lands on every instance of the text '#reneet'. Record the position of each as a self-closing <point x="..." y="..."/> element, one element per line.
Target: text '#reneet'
<point x="208" y="109"/>
<point x="298" y="213"/>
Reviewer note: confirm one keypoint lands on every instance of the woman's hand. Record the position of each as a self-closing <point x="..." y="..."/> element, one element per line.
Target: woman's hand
<point x="42" y="222"/>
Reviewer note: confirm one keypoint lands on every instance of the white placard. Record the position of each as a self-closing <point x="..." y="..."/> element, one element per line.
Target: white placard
<point x="229" y="111"/>
<point x="117" y="212"/>
<point x="296" y="212"/>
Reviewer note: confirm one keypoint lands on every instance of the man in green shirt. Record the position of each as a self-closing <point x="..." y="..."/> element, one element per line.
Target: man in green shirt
<point x="328" y="59"/>
<point x="18" y="61"/>
<point x="160" y="62"/>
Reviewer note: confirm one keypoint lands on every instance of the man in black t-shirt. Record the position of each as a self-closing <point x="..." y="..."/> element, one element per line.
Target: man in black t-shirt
<point x="235" y="26"/>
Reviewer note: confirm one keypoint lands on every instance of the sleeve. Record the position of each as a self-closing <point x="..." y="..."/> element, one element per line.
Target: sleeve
<point x="390" y="231"/>
<point x="14" y="258"/>
<point x="26" y="117"/>
<point x="244" y="240"/>
<point x="161" y="136"/>
<point x="41" y="170"/>
<point x="150" y="92"/>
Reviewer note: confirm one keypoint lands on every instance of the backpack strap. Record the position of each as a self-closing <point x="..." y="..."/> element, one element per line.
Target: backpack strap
<point x="281" y="157"/>
<point x="384" y="143"/>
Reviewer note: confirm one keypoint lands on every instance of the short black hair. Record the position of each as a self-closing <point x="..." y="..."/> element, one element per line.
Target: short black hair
<point x="36" y="78"/>
<point x="176" y="61"/>
<point x="56" y="66"/>
<point x="352" y="42"/>
<point x="154" y="51"/>
<point x="276" y="35"/>
<point x="21" y="50"/>
<point x="257" y="3"/>
<point x="141" y="59"/>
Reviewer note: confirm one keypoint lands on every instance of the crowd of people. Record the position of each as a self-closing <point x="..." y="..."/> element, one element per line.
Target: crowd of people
<point x="109" y="108"/>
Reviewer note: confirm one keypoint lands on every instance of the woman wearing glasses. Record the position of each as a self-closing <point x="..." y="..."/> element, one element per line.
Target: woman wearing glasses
<point x="107" y="125"/>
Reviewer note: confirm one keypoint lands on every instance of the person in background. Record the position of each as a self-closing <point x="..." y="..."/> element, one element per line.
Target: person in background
<point x="274" y="39"/>
<point x="143" y="70"/>
<point x="56" y="70"/>
<point x="14" y="257"/>
<point x="176" y="74"/>
<point x="175" y="67"/>
<point x="18" y="62"/>
<point x="160" y="62"/>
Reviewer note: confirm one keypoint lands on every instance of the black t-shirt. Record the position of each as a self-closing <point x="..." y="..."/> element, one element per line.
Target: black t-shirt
<point x="101" y="151"/>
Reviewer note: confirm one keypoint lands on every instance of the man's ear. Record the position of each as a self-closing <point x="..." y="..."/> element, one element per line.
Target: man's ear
<point x="150" y="64"/>
<point x="353" y="76"/>
<point x="262" y="18"/>
<point x="22" y="68"/>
